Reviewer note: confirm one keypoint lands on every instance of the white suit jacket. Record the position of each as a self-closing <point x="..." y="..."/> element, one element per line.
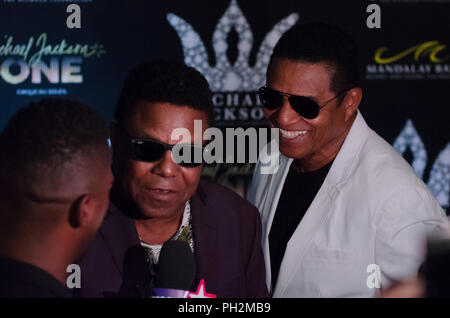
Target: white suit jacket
<point x="370" y="209"/>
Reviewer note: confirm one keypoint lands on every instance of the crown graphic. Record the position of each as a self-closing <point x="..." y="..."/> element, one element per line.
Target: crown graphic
<point x="224" y="76"/>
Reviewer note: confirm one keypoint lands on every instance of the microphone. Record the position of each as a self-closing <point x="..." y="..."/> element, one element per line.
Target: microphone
<point x="176" y="268"/>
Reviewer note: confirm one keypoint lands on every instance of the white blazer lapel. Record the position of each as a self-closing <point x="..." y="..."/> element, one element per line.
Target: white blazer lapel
<point x="314" y="217"/>
<point x="268" y="208"/>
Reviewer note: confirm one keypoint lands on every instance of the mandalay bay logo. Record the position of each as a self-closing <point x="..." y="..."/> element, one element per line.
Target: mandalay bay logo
<point x="37" y="60"/>
<point x="423" y="61"/>
<point x="234" y="84"/>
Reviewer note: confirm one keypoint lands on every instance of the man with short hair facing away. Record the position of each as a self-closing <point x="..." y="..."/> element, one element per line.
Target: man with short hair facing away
<point x="55" y="178"/>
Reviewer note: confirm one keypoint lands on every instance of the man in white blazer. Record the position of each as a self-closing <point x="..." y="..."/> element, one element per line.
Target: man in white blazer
<point x="344" y="215"/>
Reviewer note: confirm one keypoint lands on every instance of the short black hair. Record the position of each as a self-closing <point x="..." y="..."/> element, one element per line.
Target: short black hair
<point x="318" y="42"/>
<point x="166" y="82"/>
<point x="46" y="135"/>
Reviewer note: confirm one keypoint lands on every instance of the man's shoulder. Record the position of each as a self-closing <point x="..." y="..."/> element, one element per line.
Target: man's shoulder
<point x="385" y="165"/>
<point x="382" y="176"/>
<point x="24" y="280"/>
<point x="223" y="199"/>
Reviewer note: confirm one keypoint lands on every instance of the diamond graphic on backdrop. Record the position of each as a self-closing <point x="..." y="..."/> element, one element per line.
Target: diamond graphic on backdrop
<point x="439" y="181"/>
<point x="409" y="138"/>
<point x="224" y="77"/>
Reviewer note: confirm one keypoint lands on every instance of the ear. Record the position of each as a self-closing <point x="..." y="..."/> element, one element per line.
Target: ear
<point x="82" y="211"/>
<point x="351" y="102"/>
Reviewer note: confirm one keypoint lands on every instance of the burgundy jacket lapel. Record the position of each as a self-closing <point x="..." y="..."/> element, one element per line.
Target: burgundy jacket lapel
<point x="205" y="233"/>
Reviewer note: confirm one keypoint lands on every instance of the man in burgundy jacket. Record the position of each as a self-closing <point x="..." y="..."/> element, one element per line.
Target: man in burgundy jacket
<point x="155" y="200"/>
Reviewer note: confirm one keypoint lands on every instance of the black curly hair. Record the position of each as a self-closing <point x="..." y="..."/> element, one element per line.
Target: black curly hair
<point x="166" y="82"/>
<point x="46" y="135"/>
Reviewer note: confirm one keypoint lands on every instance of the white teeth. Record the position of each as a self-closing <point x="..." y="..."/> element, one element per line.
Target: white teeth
<point x="292" y="133"/>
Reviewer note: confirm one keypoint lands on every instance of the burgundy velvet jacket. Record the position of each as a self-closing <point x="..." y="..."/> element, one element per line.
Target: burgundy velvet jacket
<point x="227" y="244"/>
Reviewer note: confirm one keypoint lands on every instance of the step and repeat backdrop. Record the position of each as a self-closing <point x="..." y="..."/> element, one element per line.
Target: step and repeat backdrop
<point x="49" y="48"/>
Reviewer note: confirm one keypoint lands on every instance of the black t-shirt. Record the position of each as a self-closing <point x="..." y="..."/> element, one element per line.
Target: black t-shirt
<point x="298" y="192"/>
<point x="23" y="280"/>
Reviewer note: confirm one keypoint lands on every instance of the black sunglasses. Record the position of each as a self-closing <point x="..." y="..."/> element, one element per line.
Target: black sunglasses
<point x="150" y="150"/>
<point x="304" y="106"/>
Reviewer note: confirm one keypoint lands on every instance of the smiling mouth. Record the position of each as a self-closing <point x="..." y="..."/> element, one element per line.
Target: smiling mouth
<point x="292" y="133"/>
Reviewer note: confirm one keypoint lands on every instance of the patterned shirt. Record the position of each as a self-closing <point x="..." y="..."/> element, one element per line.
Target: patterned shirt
<point x="184" y="233"/>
